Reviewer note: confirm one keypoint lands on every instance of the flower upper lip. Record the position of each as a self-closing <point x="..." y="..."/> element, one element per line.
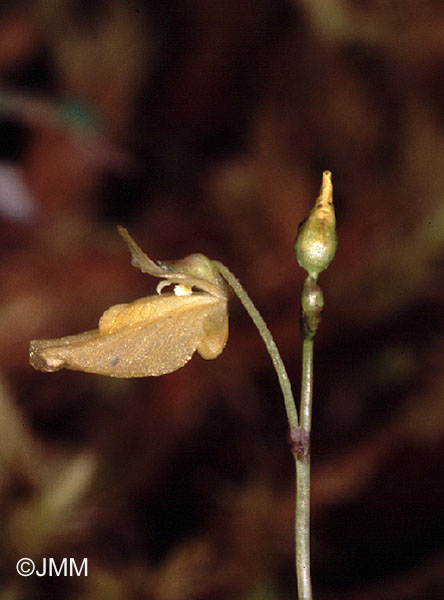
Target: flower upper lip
<point x="170" y="274"/>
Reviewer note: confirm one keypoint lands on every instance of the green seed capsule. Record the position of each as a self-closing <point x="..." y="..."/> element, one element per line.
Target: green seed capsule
<point x="316" y="242"/>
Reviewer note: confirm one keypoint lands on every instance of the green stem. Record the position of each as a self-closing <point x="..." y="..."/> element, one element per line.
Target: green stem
<point x="302" y="512"/>
<point x="265" y="333"/>
<point x="299" y="434"/>
<point x="315" y="247"/>
<point x="306" y="384"/>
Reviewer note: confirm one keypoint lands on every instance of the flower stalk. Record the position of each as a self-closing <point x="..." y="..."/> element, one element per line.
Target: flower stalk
<point x="247" y="303"/>
<point x="315" y="247"/>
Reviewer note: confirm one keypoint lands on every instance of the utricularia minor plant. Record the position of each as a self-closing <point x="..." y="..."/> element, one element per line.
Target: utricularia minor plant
<point x="159" y="334"/>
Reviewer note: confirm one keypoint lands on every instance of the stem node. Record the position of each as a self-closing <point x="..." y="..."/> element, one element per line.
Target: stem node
<point x="300" y="443"/>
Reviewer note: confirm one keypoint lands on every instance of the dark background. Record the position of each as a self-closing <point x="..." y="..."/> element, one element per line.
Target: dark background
<point x="205" y="127"/>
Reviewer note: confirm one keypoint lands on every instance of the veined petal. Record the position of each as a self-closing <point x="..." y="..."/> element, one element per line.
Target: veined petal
<point x="150" y="336"/>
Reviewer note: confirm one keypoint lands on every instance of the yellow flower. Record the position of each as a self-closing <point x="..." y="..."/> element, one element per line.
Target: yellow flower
<point x="153" y="335"/>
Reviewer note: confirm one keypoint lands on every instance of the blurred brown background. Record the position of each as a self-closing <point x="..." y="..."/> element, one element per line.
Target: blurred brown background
<point x="204" y="127"/>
